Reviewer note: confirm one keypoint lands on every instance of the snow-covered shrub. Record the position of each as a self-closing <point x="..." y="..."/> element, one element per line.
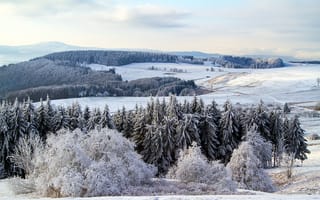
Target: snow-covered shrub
<point x="93" y="164"/>
<point x="247" y="170"/>
<point x="261" y="148"/>
<point x="24" y="152"/>
<point x="193" y="166"/>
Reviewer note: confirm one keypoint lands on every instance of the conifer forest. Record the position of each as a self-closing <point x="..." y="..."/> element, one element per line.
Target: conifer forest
<point x="161" y="130"/>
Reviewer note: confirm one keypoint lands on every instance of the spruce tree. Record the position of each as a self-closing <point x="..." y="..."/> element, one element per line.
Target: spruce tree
<point x="139" y="131"/>
<point x="230" y="132"/>
<point x="294" y="142"/>
<point x="276" y="132"/>
<point x="187" y="131"/>
<point x="106" y="120"/>
<point x="209" y="135"/>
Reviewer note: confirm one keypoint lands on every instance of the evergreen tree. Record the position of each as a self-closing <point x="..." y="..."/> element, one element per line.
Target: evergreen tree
<point x="139" y="131"/>
<point x="259" y="119"/>
<point x="209" y="136"/>
<point x="75" y="115"/>
<point x="294" y="141"/>
<point x="214" y="112"/>
<point x="119" y="119"/>
<point x="128" y="124"/>
<point x="61" y="120"/>
<point x="230" y="133"/>
<point x="106" y="120"/>
<point x="86" y="113"/>
<point x="286" y="109"/>
<point x="187" y="131"/>
<point x="276" y="132"/>
<point x="94" y="120"/>
<point x="43" y="120"/>
<point x="29" y="114"/>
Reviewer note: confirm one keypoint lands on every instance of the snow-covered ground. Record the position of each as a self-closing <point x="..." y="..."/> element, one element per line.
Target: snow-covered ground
<point x="294" y="84"/>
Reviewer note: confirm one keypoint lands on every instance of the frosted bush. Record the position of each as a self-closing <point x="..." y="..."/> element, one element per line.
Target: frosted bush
<point x="247" y="170"/>
<point x="193" y="166"/>
<point x="93" y="164"/>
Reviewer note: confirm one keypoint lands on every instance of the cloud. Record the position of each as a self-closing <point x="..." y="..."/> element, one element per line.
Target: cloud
<point x="46" y="8"/>
<point x="149" y="15"/>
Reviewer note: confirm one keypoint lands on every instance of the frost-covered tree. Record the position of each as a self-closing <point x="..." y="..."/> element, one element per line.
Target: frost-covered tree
<point x="247" y="170"/>
<point x="193" y="166"/>
<point x="214" y="112"/>
<point x="106" y="120"/>
<point x="95" y="164"/>
<point x="75" y="115"/>
<point x="94" y="120"/>
<point x="294" y="142"/>
<point x="43" y="120"/>
<point x="261" y="147"/>
<point x="258" y="118"/>
<point x="139" y="131"/>
<point x="60" y="120"/>
<point x="197" y="106"/>
<point x="29" y="114"/>
<point x="187" y="131"/>
<point x="128" y="124"/>
<point x="159" y="148"/>
<point x="173" y="108"/>
<point x="209" y="135"/>
<point x="230" y="132"/>
<point x="276" y="132"/>
<point x="119" y="119"/>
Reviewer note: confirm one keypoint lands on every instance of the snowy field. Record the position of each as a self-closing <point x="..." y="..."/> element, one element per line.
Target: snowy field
<point x="294" y="84"/>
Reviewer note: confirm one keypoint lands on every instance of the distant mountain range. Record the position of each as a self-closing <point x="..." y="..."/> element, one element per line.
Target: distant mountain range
<point x="15" y="54"/>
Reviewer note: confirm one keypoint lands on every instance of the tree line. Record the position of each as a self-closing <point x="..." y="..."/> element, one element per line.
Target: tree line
<point x="161" y="129"/>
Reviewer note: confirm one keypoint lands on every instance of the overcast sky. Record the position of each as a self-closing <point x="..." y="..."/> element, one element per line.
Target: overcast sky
<point x="286" y="27"/>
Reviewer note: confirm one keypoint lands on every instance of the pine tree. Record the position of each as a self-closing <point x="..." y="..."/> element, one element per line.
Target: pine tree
<point x="173" y="108"/>
<point x="94" y="120"/>
<point x="119" y="119"/>
<point x="61" y="120"/>
<point x="30" y="117"/>
<point x="276" y="131"/>
<point x="75" y="115"/>
<point x="139" y="131"/>
<point x="43" y="120"/>
<point x="209" y="136"/>
<point x="187" y="131"/>
<point x="294" y="141"/>
<point x="106" y="120"/>
<point x="128" y="124"/>
<point x="214" y="112"/>
<point x="230" y="132"/>
<point x="259" y="119"/>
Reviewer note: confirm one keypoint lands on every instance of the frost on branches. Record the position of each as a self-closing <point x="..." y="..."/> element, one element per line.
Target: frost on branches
<point x="94" y="164"/>
<point x="193" y="166"/>
<point x="247" y="169"/>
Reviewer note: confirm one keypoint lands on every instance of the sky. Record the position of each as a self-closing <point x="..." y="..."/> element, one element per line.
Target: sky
<point x="238" y="27"/>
